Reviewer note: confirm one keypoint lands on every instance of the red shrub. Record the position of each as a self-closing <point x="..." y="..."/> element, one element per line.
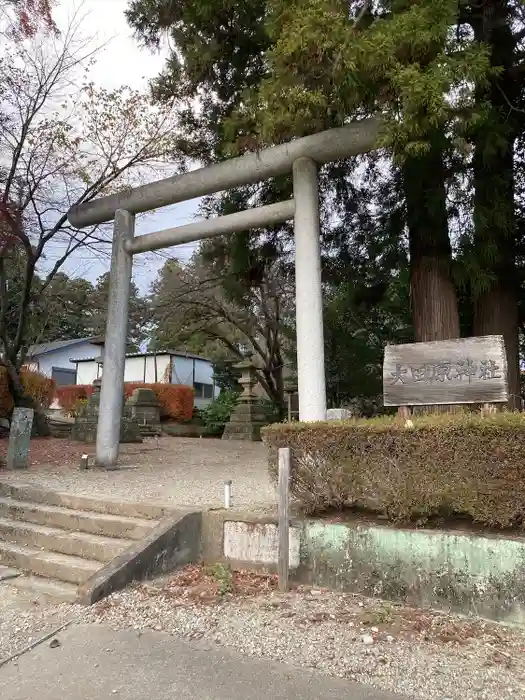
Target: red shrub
<point x="68" y="396"/>
<point x="176" y="400"/>
<point x="39" y="387"/>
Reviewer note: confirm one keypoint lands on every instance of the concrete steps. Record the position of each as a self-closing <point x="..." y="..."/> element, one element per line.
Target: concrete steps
<point x="48" y="564"/>
<point x="68" y="519"/>
<point x="59" y="541"/>
<point x="46" y="587"/>
<point x="60" y="429"/>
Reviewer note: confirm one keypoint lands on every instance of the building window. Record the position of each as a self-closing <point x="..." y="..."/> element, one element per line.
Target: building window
<point x="203" y="391"/>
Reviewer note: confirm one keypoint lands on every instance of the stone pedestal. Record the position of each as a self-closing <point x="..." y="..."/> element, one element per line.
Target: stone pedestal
<point x="144" y="408"/>
<point x="19" y="438"/>
<point x="85" y="426"/>
<point x="248" y="416"/>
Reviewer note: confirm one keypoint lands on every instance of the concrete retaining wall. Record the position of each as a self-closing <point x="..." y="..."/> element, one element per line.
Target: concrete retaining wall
<point x="241" y="540"/>
<point x="482" y="575"/>
<point x="172" y="544"/>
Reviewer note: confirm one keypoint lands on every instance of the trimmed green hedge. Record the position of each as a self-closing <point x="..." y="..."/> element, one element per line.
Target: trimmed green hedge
<point x="444" y="466"/>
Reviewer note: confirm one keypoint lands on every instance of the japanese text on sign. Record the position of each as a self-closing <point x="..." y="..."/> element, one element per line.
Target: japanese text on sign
<point x="456" y="371"/>
<point x="445" y="370"/>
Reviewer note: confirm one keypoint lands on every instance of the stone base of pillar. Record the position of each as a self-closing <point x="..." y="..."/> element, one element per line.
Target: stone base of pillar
<point x="85" y="426"/>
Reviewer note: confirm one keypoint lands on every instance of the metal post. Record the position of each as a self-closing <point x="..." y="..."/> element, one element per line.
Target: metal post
<point x="112" y="389"/>
<point x="308" y="293"/>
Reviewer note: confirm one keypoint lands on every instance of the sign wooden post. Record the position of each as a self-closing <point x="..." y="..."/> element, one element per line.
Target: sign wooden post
<point x="462" y="371"/>
<point x="283" y="561"/>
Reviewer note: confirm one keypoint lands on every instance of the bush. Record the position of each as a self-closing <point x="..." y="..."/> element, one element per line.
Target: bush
<point x="70" y="396"/>
<point x="176" y="400"/>
<point x="445" y="466"/>
<point x="37" y="386"/>
<point x="218" y="412"/>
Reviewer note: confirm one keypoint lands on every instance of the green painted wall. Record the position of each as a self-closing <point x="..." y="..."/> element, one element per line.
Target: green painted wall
<point x="464" y="572"/>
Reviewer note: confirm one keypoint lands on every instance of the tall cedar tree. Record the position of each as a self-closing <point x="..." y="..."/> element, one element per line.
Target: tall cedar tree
<point x="268" y="71"/>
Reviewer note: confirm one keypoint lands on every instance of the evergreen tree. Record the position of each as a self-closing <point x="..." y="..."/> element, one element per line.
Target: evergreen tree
<point x="445" y="78"/>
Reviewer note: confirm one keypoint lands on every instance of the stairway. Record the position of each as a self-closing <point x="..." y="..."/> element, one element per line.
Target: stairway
<point x="58" y="541"/>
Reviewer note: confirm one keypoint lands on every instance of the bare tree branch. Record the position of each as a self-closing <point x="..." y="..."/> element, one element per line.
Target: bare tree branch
<point x="193" y="300"/>
<point x="62" y="145"/>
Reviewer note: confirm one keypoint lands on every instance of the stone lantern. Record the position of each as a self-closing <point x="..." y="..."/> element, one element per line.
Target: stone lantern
<point x="248" y="416"/>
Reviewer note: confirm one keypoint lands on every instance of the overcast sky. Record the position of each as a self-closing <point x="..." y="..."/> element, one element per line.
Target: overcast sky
<point x="124" y="62"/>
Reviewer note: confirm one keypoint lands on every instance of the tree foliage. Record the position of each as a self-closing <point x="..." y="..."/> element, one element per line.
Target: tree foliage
<point x="203" y="302"/>
<point x="445" y="77"/>
<point x="26" y="17"/>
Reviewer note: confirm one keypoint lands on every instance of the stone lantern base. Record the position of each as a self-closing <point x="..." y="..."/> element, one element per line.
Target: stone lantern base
<point x="245" y="423"/>
<point x="144" y="407"/>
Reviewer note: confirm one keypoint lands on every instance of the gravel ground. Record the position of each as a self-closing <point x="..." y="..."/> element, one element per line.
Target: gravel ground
<point x="420" y="654"/>
<point x="25" y="619"/>
<point x="176" y="471"/>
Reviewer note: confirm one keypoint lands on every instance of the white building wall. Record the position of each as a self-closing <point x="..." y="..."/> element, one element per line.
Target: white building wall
<point x="61" y="358"/>
<point x="187" y="370"/>
<point x="203" y="372"/>
<point x="134" y="368"/>
<point x="142" y="369"/>
<point x="87" y="372"/>
<point x="182" y="371"/>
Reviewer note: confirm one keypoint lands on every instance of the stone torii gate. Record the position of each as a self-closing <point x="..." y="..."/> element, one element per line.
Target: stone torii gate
<point x="301" y="157"/>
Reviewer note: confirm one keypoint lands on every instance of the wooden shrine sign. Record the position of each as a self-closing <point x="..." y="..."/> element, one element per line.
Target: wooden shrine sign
<point x="466" y="370"/>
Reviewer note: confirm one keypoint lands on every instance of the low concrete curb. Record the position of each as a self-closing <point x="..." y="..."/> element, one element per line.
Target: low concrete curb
<point x="471" y="573"/>
<point x="175" y="541"/>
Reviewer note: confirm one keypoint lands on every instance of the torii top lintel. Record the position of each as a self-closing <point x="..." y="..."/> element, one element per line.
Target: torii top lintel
<point x="323" y="147"/>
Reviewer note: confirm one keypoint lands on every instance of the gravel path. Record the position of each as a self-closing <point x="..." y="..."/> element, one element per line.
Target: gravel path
<point x="419" y="654"/>
<point x="25" y="619"/>
<point x="175" y="471"/>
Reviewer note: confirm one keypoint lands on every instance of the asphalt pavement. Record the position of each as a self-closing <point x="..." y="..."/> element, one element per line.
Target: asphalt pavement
<point x="93" y="662"/>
